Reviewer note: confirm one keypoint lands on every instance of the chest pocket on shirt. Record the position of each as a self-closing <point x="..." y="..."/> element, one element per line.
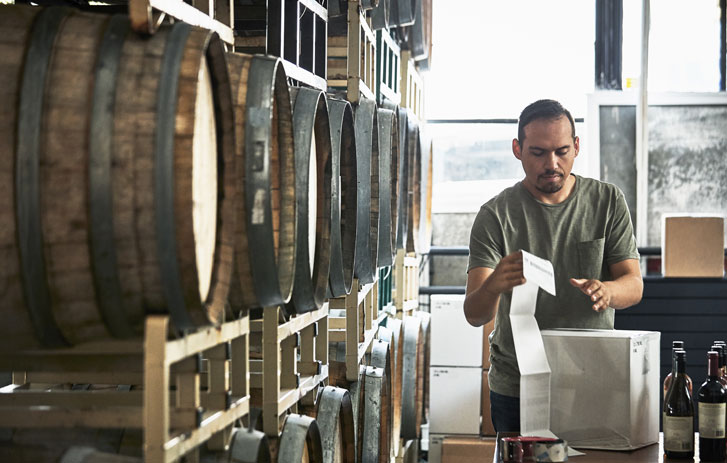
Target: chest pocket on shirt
<point x="590" y="258"/>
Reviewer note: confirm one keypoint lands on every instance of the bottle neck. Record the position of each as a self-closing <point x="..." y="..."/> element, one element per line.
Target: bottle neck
<point x="678" y="366"/>
<point x="713" y="367"/>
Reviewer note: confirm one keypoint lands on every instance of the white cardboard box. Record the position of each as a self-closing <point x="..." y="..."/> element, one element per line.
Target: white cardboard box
<point x="454" y="341"/>
<point x="454" y="400"/>
<point x="604" y="387"/>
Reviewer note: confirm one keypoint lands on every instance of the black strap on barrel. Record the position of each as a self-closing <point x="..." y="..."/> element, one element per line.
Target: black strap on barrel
<point x="403" y="223"/>
<point x="258" y="143"/>
<point x="335" y="118"/>
<point x="27" y="188"/>
<point x="166" y="109"/>
<point x="366" y="134"/>
<point x="387" y="185"/>
<point x="310" y="113"/>
<point x="101" y="128"/>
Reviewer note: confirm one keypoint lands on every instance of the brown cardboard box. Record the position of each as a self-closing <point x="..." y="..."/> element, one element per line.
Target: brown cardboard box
<point x="486" y="423"/>
<point x="486" y="343"/>
<point x="468" y="449"/>
<point x="692" y="246"/>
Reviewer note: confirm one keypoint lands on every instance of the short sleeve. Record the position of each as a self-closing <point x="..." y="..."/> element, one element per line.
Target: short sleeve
<point x="620" y="240"/>
<point x="486" y="240"/>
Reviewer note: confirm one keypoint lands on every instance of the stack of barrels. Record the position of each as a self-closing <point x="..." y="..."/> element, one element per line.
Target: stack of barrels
<point x="164" y="175"/>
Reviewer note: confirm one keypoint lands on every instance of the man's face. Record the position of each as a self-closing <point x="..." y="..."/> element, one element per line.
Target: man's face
<point x="547" y="155"/>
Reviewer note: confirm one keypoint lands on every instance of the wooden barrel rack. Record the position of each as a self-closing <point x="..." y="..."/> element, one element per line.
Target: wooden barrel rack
<point x="406" y="282"/>
<point x="356" y="329"/>
<point x="352" y="57"/>
<point x="293" y="364"/>
<point x="208" y="368"/>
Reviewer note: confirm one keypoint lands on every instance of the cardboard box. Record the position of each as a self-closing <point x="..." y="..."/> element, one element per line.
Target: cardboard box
<point x="468" y="449"/>
<point x="692" y="245"/>
<point x="486" y="330"/>
<point x="605" y="387"/>
<point x="454" y="400"/>
<point x="454" y="342"/>
<point x="487" y="428"/>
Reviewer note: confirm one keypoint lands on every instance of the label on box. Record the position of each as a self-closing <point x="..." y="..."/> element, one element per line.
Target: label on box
<point x="712" y="421"/>
<point x="678" y="433"/>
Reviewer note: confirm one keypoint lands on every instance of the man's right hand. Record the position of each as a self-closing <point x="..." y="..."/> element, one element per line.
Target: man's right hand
<point x="507" y="274"/>
<point x="485" y="285"/>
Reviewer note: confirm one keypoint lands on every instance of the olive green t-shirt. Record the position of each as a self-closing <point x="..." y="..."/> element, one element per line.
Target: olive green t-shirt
<point x="581" y="236"/>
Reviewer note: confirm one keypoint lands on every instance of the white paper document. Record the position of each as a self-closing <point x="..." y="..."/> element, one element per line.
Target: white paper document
<point x="529" y="348"/>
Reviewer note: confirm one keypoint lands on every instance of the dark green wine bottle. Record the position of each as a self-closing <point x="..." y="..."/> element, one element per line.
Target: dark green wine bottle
<point x="678" y="416"/>
<point x="712" y="403"/>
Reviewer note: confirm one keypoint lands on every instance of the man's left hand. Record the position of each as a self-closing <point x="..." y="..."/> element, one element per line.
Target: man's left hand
<point x="596" y="290"/>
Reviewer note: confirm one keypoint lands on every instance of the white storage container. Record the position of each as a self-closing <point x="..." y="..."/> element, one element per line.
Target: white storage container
<point x="454" y="400"/>
<point x="605" y="387"/>
<point x="454" y="342"/>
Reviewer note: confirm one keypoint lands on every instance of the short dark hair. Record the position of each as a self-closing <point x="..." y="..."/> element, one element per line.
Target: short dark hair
<point x="542" y="109"/>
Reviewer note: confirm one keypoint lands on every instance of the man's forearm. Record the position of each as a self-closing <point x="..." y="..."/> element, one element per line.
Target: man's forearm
<point x="480" y="306"/>
<point x="625" y="291"/>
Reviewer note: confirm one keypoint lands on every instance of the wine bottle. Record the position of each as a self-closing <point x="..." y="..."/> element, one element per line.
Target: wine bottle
<point x="678" y="417"/>
<point x="676" y="345"/>
<point x="712" y="403"/>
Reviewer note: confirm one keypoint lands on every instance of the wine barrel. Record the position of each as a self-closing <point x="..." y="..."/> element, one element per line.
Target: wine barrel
<point x="334" y="415"/>
<point x="382" y="357"/>
<point x="343" y="197"/>
<point x="265" y="242"/>
<point x="414" y="152"/>
<point x="376" y="438"/>
<point x="426" y="320"/>
<point x="380" y="15"/>
<point x="300" y="440"/>
<point x="392" y="333"/>
<point x="367" y="167"/>
<point x="412" y="383"/>
<point x="402" y="225"/>
<point x="118" y="155"/>
<point x="421" y="31"/>
<point x="246" y="445"/>
<point x="265" y="239"/>
<point x="425" y="211"/>
<point x="403" y="13"/>
<point x="388" y="185"/>
<point x="312" y="139"/>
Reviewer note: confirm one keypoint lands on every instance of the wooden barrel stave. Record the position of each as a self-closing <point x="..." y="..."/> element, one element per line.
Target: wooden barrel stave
<point x="403" y="194"/>
<point x="313" y="199"/>
<point x="343" y="197"/>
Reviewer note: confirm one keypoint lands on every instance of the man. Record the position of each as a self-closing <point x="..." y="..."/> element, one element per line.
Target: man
<point x="581" y="225"/>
